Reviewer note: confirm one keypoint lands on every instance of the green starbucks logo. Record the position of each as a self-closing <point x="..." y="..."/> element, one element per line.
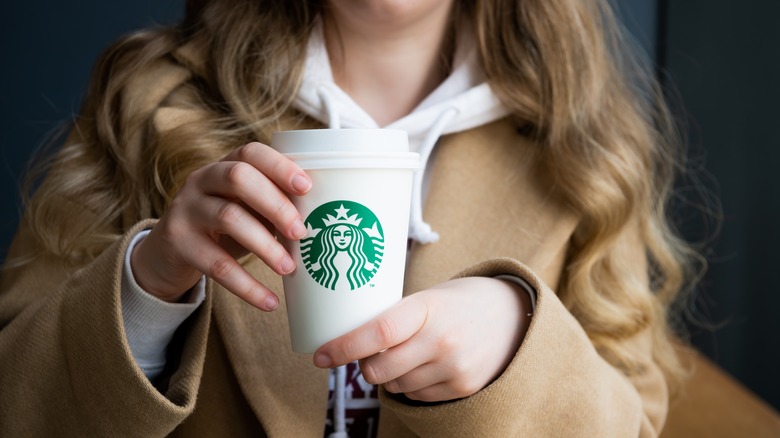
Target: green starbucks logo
<point x="344" y="245"/>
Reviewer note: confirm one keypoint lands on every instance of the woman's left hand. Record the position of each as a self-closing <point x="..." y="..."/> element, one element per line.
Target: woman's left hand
<point x="444" y="343"/>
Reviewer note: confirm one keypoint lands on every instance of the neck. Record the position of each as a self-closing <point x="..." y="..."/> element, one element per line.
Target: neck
<point x="387" y="64"/>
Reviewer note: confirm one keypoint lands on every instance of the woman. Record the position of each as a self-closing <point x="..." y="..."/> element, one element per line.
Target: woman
<point x="132" y="296"/>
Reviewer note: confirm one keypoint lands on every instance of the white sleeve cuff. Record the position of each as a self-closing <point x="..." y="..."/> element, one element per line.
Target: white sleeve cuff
<point x="149" y="321"/>
<point x="523" y="284"/>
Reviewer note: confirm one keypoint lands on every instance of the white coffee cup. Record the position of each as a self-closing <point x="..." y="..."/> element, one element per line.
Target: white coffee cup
<point x="350" y="265"/>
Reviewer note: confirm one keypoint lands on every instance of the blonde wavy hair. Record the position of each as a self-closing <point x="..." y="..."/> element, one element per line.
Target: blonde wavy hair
<point x="561" y="66"/>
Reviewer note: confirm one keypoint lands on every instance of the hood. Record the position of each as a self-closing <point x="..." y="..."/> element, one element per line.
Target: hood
<point x="463" y="101"/>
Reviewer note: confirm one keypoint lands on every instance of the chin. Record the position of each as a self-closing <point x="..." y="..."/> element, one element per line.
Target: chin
<point x="389" y="10"/>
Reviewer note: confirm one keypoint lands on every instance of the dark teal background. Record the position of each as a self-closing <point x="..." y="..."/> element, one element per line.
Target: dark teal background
<point x="721" y="58"/>
<point x="724" y="59"/>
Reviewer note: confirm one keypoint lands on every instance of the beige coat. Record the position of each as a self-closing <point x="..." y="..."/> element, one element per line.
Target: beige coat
<point x="66" y="368"/>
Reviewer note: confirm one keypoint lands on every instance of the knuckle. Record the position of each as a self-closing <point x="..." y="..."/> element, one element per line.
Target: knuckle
<point x="247" y="151"/>
<point x="463" y="388"/>
<point x="177" y="204"/>
<point x="192" y="178"/>
<point x="221" y="268"/>
<point x="282" y="207"/>
<point x="279" y="166"/>
<point x="463" y="381"/>
<point x="278" y="204"/>
<point x="347" y="349"/>
<point x="228" y="214"/>
<point x="255" y="294"/>
<point x="386" y="331"/>
<point x="272" y="249"/>
<point x="236" y="173"/>
<point x="173" y="227"/>
<point x="447" y="342"/>
<point x="459" y="368"/>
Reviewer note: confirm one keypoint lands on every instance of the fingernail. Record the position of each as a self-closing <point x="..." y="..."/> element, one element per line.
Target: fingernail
<point x="288" y="265"/>
<point x="298" y="230"/>
<point x="322" y="360"/>
<point x="270" y="303"/>
<point x="301" y="183"/>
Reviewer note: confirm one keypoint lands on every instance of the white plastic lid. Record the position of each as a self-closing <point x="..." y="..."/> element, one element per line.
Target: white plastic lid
<point x="341" y="140"/>
<point x="355" y="160"/>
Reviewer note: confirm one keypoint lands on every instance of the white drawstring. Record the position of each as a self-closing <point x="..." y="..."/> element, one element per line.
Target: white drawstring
<point x="334" y="122"/>
<point x="339" y="408"/>
<point x="419" y="230"/>
<point x="339" y="405"/>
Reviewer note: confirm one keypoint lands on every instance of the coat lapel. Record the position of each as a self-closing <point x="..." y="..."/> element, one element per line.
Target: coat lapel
<point x="489" y="198"/>
<point x="284" y="389"/>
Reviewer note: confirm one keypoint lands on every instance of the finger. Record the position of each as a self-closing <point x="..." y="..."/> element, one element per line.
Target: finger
<point x="415" y="380"/>
<point x="213" y="261"/>
<point x="397" y="361"/>
<point x="241" y="181"/>
<point x="280" y="169"/>
<point x="389" y="329"/>
<point x="436" y="382"/>
<point x="229" y="218"/>
<point x="435" y="393"/>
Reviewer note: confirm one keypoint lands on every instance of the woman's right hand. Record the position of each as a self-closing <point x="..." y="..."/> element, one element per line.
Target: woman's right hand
<point x="222" y="212"/>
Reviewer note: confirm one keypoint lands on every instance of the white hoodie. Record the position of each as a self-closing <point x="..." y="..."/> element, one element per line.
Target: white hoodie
<point x="463" y="101"/>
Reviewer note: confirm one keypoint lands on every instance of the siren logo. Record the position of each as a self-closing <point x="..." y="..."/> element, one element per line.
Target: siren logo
<point x="344" y="245"/>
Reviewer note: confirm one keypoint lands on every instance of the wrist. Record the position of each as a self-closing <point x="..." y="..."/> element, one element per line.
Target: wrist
<point x="145" y="271"/>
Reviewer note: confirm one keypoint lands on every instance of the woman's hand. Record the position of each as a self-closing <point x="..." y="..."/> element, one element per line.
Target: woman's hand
<point x="222" y="212"/>
<point x="440" y="344"/>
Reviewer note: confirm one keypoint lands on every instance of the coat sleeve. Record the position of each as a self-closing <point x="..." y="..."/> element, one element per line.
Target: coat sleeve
<point x="556" y="385"/>
<point x="65" y="365"/>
